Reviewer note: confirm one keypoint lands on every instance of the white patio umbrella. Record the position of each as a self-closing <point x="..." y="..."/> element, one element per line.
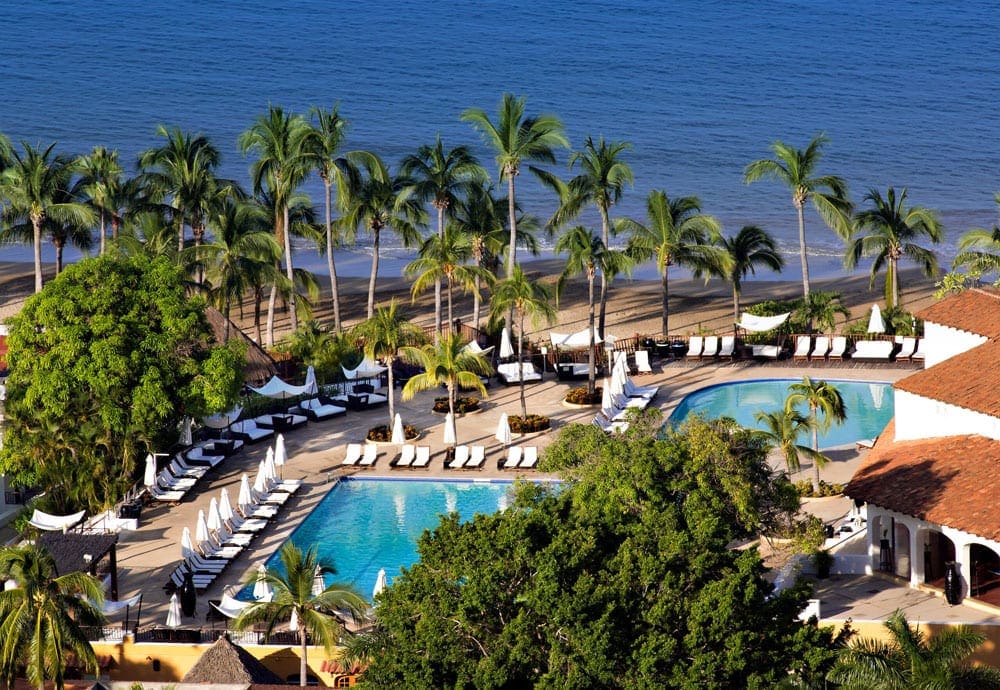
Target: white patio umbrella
<point x="186" y="439"/>
<point x="174" y="612"/>
<point x="245" y="498"/>
<point x="875" y="322"/>
<point x="149" y="476"/>
<point x="225" y="507"/>
<point x="506" y="349"/>
<point x="503" y="430"/>
<point x="450" y="437"/>
<point x="293" y="622"/>
<point x="311" y="387"/>
<point x="397" y="431"/>
<point x="876" y="389"/>
<point x="261" y="589"/>
<point x="270" y="472"/>
<point x="319" y="584"/>
<point x="214" y="518"/>
<point x="260" y="483"/>
<point x="380" y="583"/>
<point x="280" y="453"/>
<point x="187" y="546"/>
<point x="201" y="528"/>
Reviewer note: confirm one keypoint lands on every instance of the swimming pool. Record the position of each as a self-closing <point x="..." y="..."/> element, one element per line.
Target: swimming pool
<point x="363" y="524"/>
<point x="869" y="406"/>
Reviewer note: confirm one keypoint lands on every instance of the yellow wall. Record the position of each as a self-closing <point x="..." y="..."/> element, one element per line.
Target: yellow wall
<point x="988" y="653"/>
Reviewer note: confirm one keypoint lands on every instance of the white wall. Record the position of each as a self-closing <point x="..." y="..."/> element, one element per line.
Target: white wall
<point x="918" y="417"/>
<point x="942" y="342"/>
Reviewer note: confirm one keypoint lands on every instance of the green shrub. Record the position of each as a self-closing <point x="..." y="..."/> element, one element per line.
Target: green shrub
<point x="531" y="423"/>
<point x="579" y="396"/>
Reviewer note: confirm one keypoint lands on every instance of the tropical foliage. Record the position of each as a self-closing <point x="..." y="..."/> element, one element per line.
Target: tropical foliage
<point x="749" y="249"/>
<point x="826" y="407"/>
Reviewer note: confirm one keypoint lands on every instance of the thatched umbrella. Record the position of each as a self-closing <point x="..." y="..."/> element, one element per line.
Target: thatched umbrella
<point x="225" y="663"/>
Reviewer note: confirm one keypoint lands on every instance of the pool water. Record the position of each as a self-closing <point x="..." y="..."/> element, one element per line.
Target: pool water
<point x="363" y="525"/>
<point x="869" y="406"/>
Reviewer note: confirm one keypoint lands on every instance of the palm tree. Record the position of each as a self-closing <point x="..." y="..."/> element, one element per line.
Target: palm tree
<point x="384" y="333"/>
<point x="444" y="258"/>
<point x="280" y="142"/>
<point x="678" y="233"/>
<point x="892" y="232"/>
<point x="601" y="182"/>
<point x="379" y="201"/>
<point x="822" y="309"/>
<point x="292" y="587"/>
<point x="909" y="660"/>
<point x="783" y="428"/>
<point x="528" y="299"/>
<point x="979" y="249"/>
<point x="447" y="364"/>
<point x="102" y="176"/>
<point x="751" y="248"/>
<point x="797" y="170"/>
<point x="441" y="178"/>
<point x="36" y="187"/>
<point x="588" y="254"/>
<point x="516" y="138"/>
<point x="43" y="616"/>
<point x="826" y="406"/>
<point x="71" y="231"/>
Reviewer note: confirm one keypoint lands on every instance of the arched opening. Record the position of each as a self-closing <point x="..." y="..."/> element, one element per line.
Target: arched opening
<point x="938" y="550"/>
<point x="901" y="550"/>
<point x="984" y="566"/>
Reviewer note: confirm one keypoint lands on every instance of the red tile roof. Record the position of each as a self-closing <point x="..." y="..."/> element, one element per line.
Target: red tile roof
<point x="970" y="380"/>
<point x="951" y="481"/>
<point x="976" y="310"/>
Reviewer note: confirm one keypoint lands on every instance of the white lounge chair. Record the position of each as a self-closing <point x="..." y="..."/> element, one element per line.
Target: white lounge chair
<point x="370" y="455"/>
<point x="866" y="443"/>
<point x="248" y="430"/>
<point x="711" y="346"/>
<point x="906" y="349"/>
<point x="695" y="345"/>
<point x="727" y="345"/>
<point x="530" y="458"/>
<point x="642" y="362"/>
<point x="226" y="538"/>
<point x="461" y="457"/>
<point x="249" y="526"/>
<point x="821" y="348"/>
<point x="477" y="457"/>
<point x="406" y="456"/>
<point x="634" y="391"/>
<point x="169" y="482"/>
<point x="54" y="523"/>
<point x="202" y="581"/>
<point x="879" y="350"/>
<point x="839" y="347"/>
<point x="513" y="457"/>
<point x="423" y="458"/>
<point x="608" y="426"/>
<point x="803" y="346"/>
<point x="199" y="456"/>
<point x="230" y="607"/>
<point x="166" y="496"/>
<point x="257" y="511"/>
<point x="353" y="454"/>
<point x="179" y="468"/>
<point x="918" y="353"/>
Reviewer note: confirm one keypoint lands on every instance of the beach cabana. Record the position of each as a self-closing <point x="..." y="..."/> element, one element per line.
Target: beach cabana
<point x="225" y="663"/>
<point x="368" y="369"/>
<point x="762" y="324"/>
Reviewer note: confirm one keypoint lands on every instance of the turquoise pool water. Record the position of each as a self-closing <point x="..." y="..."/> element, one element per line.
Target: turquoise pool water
<point x="869" y="406"/>
<point x="363" y="525"/>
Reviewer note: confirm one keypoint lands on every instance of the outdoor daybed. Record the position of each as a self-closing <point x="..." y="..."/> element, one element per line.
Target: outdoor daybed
<point x="873" y="349"/>
<point x="316" y="410"/>
<point x="512" y="372"/>
<point x="280" y="422"/>
<point x="248" y="431"/>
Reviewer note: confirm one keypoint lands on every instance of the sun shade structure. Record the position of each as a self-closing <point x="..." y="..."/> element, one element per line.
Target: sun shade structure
<point x="279" y="389"/>
<point x="222" y="419"/>
<point x="575" y="341"/>
<point x="55" y="523"/>
<point x="759" y="324"/>
<point x="368" y="369"/>
<point x="225" y="663"/>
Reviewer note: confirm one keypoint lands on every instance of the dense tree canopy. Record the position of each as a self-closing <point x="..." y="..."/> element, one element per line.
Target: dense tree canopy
<point x="104" y="363"/>
<point x="622" y="578"/>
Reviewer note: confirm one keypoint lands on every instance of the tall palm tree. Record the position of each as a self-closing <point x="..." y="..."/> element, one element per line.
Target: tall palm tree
<point x="749" y="249"/>
<point x="601" y="182"/>
<point x="380" y="201"/>
<point x="889" y="231"/>
<point x="515" y="139"/>
<point x="783" y="428"/>
<point x="797" y="170"/>
<point x="822" y="309"/>
<point x="979" y="248"/>
<point x="528" y="299"/>
<point x="384" y="333"/>
<point x="826" y="406"/>
<point x="447" y="364"/>
<point x="444" y="258"/>
<point x="677" y="234"/>
<point x="292" y="588"/>
<point x="280" y="142"/>
<point x="588" y="254"/>
<point x="43" y="616"/>
<point x="909" y="660"/>
<point x="36" y="187"/>
<point x="102" y="176"/>
<point x="441" y="178"/>
<point x="71" y="231"/>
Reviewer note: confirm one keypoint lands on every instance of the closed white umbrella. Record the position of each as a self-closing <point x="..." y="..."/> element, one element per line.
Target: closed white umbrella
<point x="503" y="430"/>
<point x="201" y="528"/>
<point x="261" y="588"/>
<point x="293" y="622"/>
<point x="270" y="473"/>
<point x="186" y="439"/>
<point x="319" y="584"/>
<point x="606" y="404"/>
<point x="260" y="484"/>
<point x="214" y="517"/>
<point x="149" y="476"/>
<point x="617" y="382"/>
<point x="311" y="387"/>
<point x="280" y="453"/>
<point x="380" y="583"/>
<point x="450" y="437"/>
<point x="506" y="349"/>
<point x="174" y="612"/>
<point x="875" y="322"/>
<point x="245" y="498"/>
<point x="876" y="389"/>
<point x="187" y="546"/>
<point x="397" y="431"/>
<point x="225" y="507"/>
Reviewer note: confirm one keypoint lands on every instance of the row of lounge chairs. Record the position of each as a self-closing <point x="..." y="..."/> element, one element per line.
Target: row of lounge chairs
<point x="825" y="348"/>
<point x="182" y="473"/>
<point x="463" y="457"/>
<point x="710" y="346"/>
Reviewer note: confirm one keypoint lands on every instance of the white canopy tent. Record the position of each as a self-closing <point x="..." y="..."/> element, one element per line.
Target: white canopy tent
<point x="368" y="369"/>
<point x="576" y="341"/>
<point x="279" y="389"/>
<point x="760" y="324"/>
<point x="472" y="347"/>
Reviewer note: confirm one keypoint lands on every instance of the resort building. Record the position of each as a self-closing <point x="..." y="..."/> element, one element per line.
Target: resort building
<point x="932" y="481"/>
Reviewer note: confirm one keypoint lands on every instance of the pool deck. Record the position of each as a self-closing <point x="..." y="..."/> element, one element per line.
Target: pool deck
<point x="147" y="556"/>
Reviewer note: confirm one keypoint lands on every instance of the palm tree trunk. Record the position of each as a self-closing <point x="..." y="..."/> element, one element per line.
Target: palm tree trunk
<point x="303" y="650"/>
<point x="591" y="369"/>
<point x="802" y="251"/>
<point x="736" y="302"/>
<point x="520" y="371"/>
<point x="605" y="224"/>
<point x="330" y="265"/>
<point x="392" y="396"/>
<point x="180" y="234"/>
<point x="198" y="231"/>
<point x="103" y="233"/>
<point x="815" y="435"/>
<point x="512" y="221"/>
<point x="665" y="292"/>
<point x="437" y="283"/>
<point x="289" y="272"/>
<point x="59" y="256"/>
<point x="258" y="296"/>
<point x="451" y="318"/>
<point x="225" y="332"/>
<point x="475" y="304"/>
<point x="272" y="300"/>
<point x="371" y="280"/>
<point x="894" y="277"/>
<point x="36" y="225"/>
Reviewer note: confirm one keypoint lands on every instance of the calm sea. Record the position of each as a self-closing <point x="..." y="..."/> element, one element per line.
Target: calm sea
<point x="906" y="91"/>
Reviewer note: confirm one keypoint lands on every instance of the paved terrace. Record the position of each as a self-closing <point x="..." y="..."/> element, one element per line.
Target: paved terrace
<point x="147" y="556"/>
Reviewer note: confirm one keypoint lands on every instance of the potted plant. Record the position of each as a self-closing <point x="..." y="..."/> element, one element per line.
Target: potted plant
<point x="822" y="561"/>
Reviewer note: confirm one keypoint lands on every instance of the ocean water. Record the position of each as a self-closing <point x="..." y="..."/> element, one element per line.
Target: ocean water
<point x="906" y="91"/>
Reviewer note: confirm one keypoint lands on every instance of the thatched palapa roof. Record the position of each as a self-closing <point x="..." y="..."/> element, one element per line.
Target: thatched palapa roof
<point x="260" y="367"/>
<point x="68" y="549"/>
<point x="229" y="664"/>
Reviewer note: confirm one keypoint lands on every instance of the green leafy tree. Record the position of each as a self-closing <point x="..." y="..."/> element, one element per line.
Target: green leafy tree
<point x="889" y="231"/>
<point x="516" y="139"/>
<point x="588" y="254"/>
<point x="908" y="659"/>
<point x="292" y="587"/>
<point x="43" y="616"/>
<point x="749" y="249"/>
<point x="821" y="309"/>
<point x="445" y="257"/>
<point x="796" y="169"/>
<point x="36" y="187"/>
<point x="102" y="176"/>
<point x="104" y="363"/>
<point x="825" y="404"/>
<point x="677" y="233"/>
<point x="528" y="299"/>
<point x="622" y="578"/>
<point x="384" y="333"/>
